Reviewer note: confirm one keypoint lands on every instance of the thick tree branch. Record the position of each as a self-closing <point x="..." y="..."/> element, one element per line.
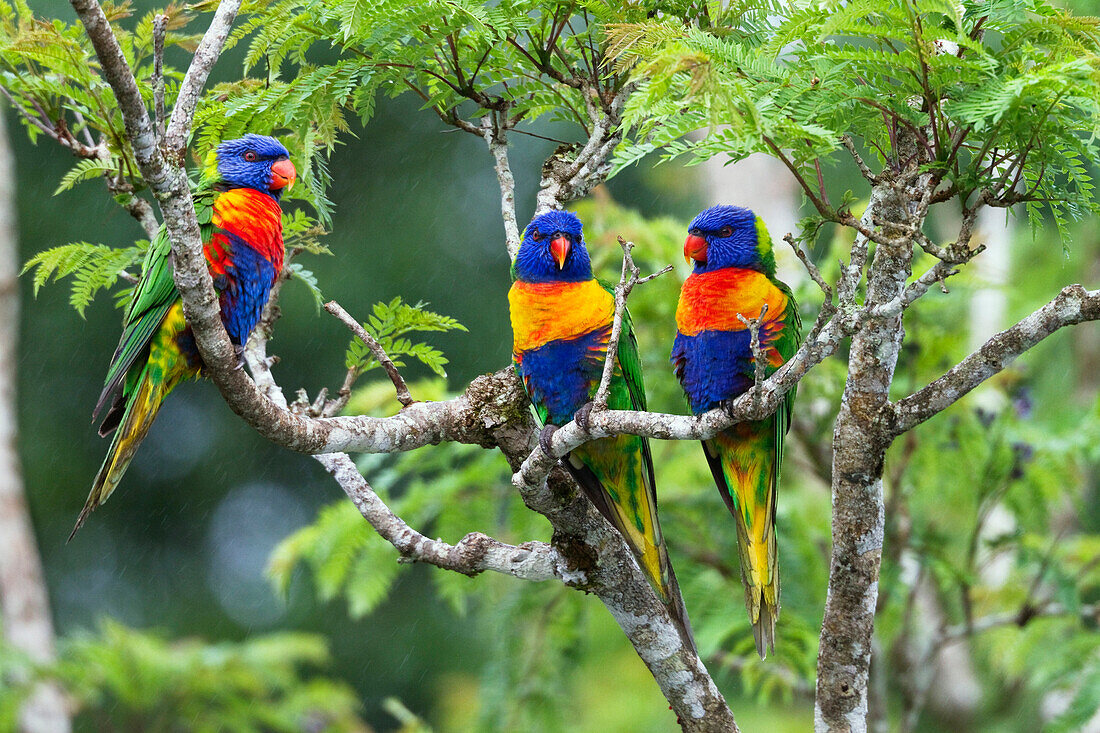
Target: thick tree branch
<point x="206" y="55"/>
<point x="494" y="127"/>
<point x="859" y="447"/>
<point x="1072" y="306"/>
<point x="614" y="576"/>
<point x="473" y="554"/>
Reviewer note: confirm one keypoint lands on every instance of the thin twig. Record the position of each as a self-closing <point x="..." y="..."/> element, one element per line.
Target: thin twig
<point x="760" y="359"/>
<point x="629" y="278"/>
<point x="864" y="169"/>
<point x="376" y="350"/>
<point x="811" y="268"/>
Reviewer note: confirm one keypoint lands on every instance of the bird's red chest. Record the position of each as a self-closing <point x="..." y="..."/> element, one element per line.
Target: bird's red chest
<point x="250" y="216"/>
<point x="711" y="301"/>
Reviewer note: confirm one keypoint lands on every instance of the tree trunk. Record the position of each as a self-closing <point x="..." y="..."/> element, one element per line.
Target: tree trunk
<point x="859" y="449"/>
<point x="24" y="604"/>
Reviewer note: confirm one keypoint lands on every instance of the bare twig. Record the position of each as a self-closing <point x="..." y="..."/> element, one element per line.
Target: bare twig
<point x="759" y="357"/>
<point x="952" y="634"/>
<point x="850" y="146"/>
<point x="629" y="278"/>
<point x="811" y="268"/>
<point x="376" y="350"/>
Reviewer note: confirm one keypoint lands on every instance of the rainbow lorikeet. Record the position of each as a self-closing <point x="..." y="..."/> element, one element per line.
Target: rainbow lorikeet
<point x="561" y="321"/>
<point x="734" y="273"/>
<point x="238" y="210"/>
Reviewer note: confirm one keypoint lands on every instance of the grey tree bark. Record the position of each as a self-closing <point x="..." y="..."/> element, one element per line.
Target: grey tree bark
<point x="24" y="602"/>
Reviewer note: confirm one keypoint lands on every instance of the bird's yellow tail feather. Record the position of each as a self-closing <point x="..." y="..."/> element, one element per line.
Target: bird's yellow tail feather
<point x="140" y="412"/>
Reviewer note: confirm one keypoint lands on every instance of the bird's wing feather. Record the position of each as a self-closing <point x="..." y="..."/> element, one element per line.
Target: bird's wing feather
<point x="152" y="298"/>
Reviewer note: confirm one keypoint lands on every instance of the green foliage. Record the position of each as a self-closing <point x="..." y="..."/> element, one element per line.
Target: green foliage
<point x="1003" y="98"/>
<point x="92" y="267"/>
<point x="122" y="679"/>
<point x="84" y="170"/>
<point x="389" y="325"/>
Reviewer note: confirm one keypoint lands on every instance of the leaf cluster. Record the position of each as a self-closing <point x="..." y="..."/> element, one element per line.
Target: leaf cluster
<point x="119" y="678"/>
<point x="93" y="267"/>
<point x="998" y="100"/>
<point x="390" y="324"/>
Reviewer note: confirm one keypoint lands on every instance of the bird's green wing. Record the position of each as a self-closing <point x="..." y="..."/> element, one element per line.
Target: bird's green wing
<point x="153" y="295"/>
<point x="786" y="342"/>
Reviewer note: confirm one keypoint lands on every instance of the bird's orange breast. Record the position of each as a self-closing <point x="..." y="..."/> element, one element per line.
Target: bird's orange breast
<point x="545" y="312"/>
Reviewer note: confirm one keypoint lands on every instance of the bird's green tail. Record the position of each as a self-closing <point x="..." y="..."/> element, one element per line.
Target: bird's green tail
<point x="141" y="409"/>
<point x="616" y="474"/>
<point x="743" y="463"/>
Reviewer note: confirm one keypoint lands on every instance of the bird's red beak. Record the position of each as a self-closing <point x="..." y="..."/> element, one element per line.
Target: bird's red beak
<point x="559" y="248"/>
<point x="695" y="248"/>
<point x="283" y="175"/>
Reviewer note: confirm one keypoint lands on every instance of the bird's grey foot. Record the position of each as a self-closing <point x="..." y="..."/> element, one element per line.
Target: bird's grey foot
<point x="545" y="436"/>
<point x="238" y="349"/>
<point x="581" y="416"/>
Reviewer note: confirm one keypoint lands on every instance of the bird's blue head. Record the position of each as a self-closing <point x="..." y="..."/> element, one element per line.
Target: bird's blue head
<point x="729" y="236"/>
<point x="553" y="250"/>
<point x="255" y="161"/>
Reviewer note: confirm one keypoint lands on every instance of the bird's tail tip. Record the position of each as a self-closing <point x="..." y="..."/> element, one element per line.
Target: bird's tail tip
<point x="763" y="630"/>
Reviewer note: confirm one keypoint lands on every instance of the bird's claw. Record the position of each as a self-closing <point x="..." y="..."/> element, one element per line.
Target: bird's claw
<point x="727" y="405"/>
<point x="583" y="415"/>
<point x="545" y="436"/>
<point x="238" y="349"/>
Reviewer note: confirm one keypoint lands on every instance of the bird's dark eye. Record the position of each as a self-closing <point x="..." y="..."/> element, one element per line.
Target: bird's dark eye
<point x="250" y="156"/>
<point x="536" y="235"/>
<point x="725" y="232"/>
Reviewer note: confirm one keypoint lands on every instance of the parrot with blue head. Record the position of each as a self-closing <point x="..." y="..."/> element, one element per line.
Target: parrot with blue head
<point x="734" y="275"/>
<point x="561" y="322"/>
<point x="237" y="206"/>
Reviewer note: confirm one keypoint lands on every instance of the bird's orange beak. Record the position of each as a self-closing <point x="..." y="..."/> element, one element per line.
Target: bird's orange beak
<point x="559" y="248"/>
<point x="283" y="175"/>
<point x="695" y="248"/>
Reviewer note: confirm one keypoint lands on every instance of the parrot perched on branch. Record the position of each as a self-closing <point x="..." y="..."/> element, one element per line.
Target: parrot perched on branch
<point x="734" y="275"/>
<point x="241" y="221"/>
<point x="561" y="321"/>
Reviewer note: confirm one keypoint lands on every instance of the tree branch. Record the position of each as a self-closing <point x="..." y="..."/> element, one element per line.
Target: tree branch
<point x="494" y="128"/>
<point x="1072" y="306"/>
<point x="627" y="280"/>
<point x="206" y="55"/>
<point x="475" y="553"/>
<point x="376" y="350"/>
<point x="160" y="29"/>
<point x="566" y="177"/>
